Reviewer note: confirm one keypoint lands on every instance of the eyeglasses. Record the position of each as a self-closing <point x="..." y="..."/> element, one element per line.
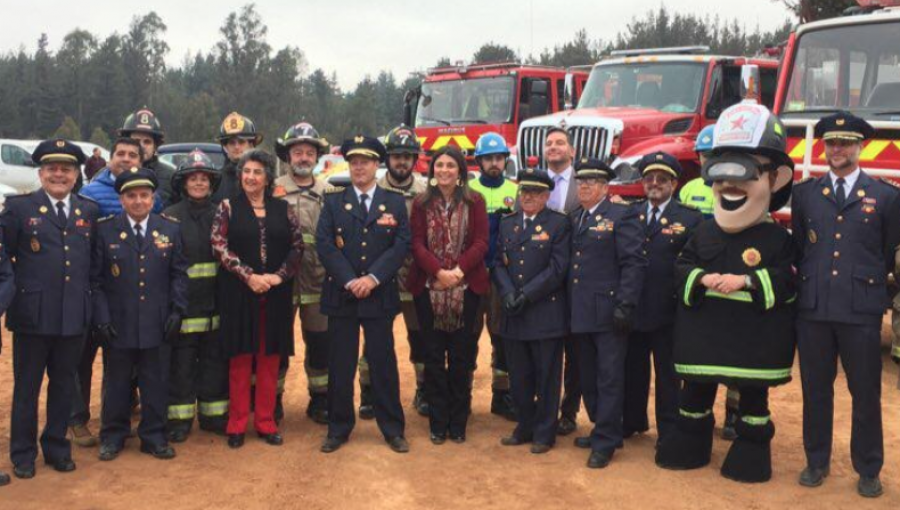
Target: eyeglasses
<point x="661" y="179"/>
<point x="590" y="182"/>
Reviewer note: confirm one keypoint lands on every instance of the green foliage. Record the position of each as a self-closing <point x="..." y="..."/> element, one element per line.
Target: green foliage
<point x="493" y="52"/>
<point x="99" y="137"/>
<point x="68" y="130"/>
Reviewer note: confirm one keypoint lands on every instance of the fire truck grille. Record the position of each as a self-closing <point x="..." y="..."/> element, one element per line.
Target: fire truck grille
<point x="591" y="142"/>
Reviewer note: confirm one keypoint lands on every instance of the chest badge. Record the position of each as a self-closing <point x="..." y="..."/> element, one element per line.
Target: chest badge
<point x="813" y="237"/>
<point x="123" y="236"/>
<point x="77" y="212"/>
<point x="751" y="257"/>
<point x="382" y="208"/>
<point x="43" y="209"/>
<point x="538" y="228"/>
<point x="826" y="191"/>
<point x="35" y="245"/>
<point x="664" y="221"/>
<point x="860" y="193"/>
<point x="155" y="234"/>
<point x="348" y="207"/>
<point x="114" y="270"/>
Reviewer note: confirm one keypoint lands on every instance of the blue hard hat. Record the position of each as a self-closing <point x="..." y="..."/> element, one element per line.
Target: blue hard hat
<point x="705" y="139"/>
<point x="491" y="143"/>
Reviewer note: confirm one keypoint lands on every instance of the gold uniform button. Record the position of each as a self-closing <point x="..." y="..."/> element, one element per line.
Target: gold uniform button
<point x="577" y="253"/>
<point x="363" y="257"/>
<point x="363" y="244"/>
<point x="142" y="284"/>
<point x="612" y="292"/>
<point x="837" y="254"/>
<point x="67" y="248"/>
<point x="552" y="298"/>
<point x="840" y="219"/>
<point x="871" y="281"/>
<point x="143" y="257"/>
<point x="575" y="266"/>
<point x="68" y="278"/>
<point x="365" y="231"/>
<point x="834" y="273"/>
<point x="575" y="280"/>
<point x="837" y="236"/>
<point x="143" y="298"/>
<point x="68" y="263"/>
<point x="521" y="262"/>
<point x="522" y="249"/>
<point x="143" y="270"/>
<point x="520" y="277"/>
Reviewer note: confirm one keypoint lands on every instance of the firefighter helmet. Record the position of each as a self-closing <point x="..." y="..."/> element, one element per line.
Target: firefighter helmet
<point x="704" y="141"/>
<point x="402" y="140"/>
<point x="299" y="133"/>
<point x="491" y="143"/>
<point x="751" y="128"/>
<point x="236" y="125"/>
<point x="143" y="121"/>
<point x="196" y="161"/>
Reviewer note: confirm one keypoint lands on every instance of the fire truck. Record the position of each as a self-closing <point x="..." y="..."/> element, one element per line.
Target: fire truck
<point x="455" y="105"/>
<point x="847" y="63"/>
<point x="641" y="101"/>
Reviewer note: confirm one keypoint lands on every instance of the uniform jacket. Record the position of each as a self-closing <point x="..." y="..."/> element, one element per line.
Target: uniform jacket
<point x="607" y="266"/>
<point x="845" y="254"/>
<point x="103" y="191"/>
<point x="52" y="264"/>
<point x="535" y="262"/>
<point x="137" y="288"/>
<point x="351" y="245"/>
<point x="196" y="220"/>
<point x="662" y="244"/>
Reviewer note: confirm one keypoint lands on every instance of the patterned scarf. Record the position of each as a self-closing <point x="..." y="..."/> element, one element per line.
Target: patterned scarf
<point x="447" y="225"/>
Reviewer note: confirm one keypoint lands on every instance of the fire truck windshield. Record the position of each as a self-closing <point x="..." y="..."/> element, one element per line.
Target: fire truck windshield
<point x="670" y="87"/>
<point x="474" y="101"/>
<point x="853" y="67"/>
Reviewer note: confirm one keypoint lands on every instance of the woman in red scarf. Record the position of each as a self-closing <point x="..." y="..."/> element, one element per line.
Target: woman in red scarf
<point x="448" y="276"/>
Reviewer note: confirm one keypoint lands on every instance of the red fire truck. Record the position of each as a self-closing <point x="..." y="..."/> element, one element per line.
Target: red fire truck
<point x="847" y="63"/>
<point x="640" y="101"/>
<point x="455" y="105"/>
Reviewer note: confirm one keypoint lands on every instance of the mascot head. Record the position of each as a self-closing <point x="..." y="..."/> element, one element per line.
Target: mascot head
<point x="748" y="169"/>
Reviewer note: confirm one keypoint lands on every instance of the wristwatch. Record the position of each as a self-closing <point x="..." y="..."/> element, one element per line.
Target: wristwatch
<point x="748" y="282"/>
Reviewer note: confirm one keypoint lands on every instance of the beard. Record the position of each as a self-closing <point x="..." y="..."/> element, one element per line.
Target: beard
<point x="302" y="171"/>
<point x="400" y="175"/>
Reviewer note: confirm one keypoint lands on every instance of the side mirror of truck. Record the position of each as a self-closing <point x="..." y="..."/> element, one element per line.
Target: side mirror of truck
<point x="410" y="102"/>
<point x="569" y="92"/>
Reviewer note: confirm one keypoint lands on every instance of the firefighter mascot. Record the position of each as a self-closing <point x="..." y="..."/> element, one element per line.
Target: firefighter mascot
<point x="734" y="324"/>
<point x="198" y="379"/>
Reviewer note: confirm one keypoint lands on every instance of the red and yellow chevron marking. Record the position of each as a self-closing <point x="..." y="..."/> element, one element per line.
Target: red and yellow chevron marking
<point x="873" y="150"/>
<point x="462" y="141"/>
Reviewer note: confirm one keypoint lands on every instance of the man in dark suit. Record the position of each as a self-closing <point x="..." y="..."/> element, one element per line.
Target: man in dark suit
<point x="7" y="292"/>
<point x="139" y="282"/>
<point x="559" y="155"/>
<point x="846" y="226"/>
<point x="605" y="278"/>
<point x="530" y="270"/>
<point x="666" y="226"/>
<point x="48" y="234"/>
<point x="362" y="239"/>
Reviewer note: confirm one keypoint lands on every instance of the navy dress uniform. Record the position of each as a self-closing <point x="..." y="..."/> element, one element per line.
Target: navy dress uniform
<point x="362" y="236"/>
<point x="605" y="280"/>
<point x="846" y="233"/>
<point x="139" y="281"/>
<point x="530" y="270"/>
<point x="50" y="241"/>
<point x="666" y="229"/>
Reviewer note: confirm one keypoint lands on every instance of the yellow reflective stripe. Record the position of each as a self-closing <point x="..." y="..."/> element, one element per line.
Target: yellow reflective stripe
<point x="309" y="239"/>
<point x="203" y="270"/>
<point x="690" y="285"/>
<point x="695" y="416"/>
<point x="739" y="295"/>
<point x="756" y="420"/>
<point x="199" y="324"/>
<point x="763" y="275"/>
<point x="406" y="297"/>
<point x="181" y="412"/>
<point x="308" y="299"/>
<point x="738" y="373"/>
<point x="873" y="149"/>
<point x="218" y="408"/>
<point x="319" y="381"/>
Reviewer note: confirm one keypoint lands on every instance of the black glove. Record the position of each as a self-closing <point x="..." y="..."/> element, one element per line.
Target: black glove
<point x="173" y="328"/>
<point x="509" y="302"/>
<point x="517" y="305"/>
<point x="623" y="318"/>
<point x="105" y="334"/>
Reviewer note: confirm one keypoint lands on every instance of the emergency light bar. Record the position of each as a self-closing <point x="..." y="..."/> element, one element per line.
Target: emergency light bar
<point x="676" y="50"/>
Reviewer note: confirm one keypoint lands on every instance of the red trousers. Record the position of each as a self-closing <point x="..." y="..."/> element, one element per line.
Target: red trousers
<point x="240" y="375"/>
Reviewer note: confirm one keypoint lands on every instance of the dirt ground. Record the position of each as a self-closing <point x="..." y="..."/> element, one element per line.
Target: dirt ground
<point x="477" y="474"/>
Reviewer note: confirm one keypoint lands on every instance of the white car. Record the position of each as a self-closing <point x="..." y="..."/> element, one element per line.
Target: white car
<point x="18" y="172"/>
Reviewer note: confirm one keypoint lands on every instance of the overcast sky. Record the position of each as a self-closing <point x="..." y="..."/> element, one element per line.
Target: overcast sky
<point x="359" y="37"/>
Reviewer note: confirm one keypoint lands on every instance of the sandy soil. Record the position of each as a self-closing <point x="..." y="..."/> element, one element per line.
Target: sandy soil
<point x="477" y="474"/>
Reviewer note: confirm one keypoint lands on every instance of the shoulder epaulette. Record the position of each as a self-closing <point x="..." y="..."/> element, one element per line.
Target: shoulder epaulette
<point x="334" y="189"/>
<point x="17" y="197"/>
<point x="170" y="218"/>
<point x="393" y="190"/>
<point x="106" y="218"/>
<point x="692" y="207"/>
<point x="804" y="180"/>
<point x="554" y="211"/>
<point x="510" y="214"/>
<point x="85" y="197"/>
<point x="890" y="182"/>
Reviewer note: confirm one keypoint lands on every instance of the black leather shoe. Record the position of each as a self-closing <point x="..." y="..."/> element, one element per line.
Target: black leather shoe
<point x="273" y="439"/>
<point x="598" y="460"/>
<point x="458" y="438"/>
<point x="540" y="448"/>
<point x="332" y="444"/>
<point x="24" y="472"/>
<point x="235" y="440"/>
<point x="438" y="439"/>
<point x="163" y="452"/>
<point x="4" y="479"/>
<point x="62" y="465"/>
<point x="109" y="452"/>
<point x="813" y="477"/>
<point x="177" y="436"/>
<point x="514" y="440"/>
<point x="566" y="426"/>
<point x="398" y="444"/>
<point x="583" y="442"/>
<point x="869" y="487"/>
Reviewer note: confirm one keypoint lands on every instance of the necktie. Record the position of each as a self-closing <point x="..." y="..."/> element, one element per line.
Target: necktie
<point x="61" y="211"/>
<point x="362" y="202"/>
<point x="654" y="217"/>
<point x="584" y="217"/>
<point x="557" y="194"/>
<point x="528" y="222"/>
<point x="839" y="192"/>
<point x="138" y="234"/>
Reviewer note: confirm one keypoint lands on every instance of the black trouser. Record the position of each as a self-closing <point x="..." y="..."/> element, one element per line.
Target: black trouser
<point x="152" y="366"/>
<point x="449" y="362"/>
<point x="571" y="400"/>
<point x="641" y="345"/>
<point x="32" y="356"/>
<point x="378" y="350"/>
<point x="198" y="380"/>
<point x="602" y="368"/>
<point x="535" y="368"/>
<point x="84" y="373"/>
<point x="316" y="361"/>
<point x="696" y="400"/>
<point x="820" y="344"/>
